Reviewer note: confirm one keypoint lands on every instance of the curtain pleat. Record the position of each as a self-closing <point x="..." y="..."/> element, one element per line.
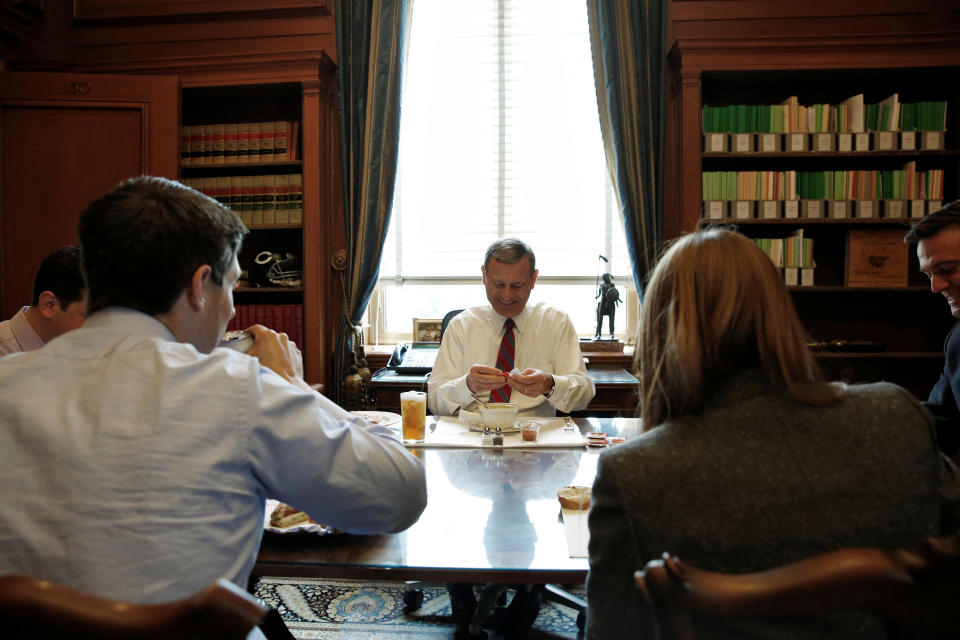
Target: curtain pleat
<point x="371" y="37"/>
<point x="627" y="41"/>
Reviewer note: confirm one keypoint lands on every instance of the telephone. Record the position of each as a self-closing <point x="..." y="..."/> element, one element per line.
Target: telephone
<point x="414" y="359"/>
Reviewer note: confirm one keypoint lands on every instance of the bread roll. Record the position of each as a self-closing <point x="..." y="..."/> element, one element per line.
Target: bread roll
<point x="576" y="498"/>
<point x="284" y="516"/>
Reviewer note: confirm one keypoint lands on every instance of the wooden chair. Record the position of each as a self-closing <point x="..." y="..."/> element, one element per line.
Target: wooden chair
<point x="31" y="607"/>
<point x="915" y="591"/>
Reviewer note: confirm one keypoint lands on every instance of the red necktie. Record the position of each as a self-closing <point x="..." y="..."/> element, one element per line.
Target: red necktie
<point x="505" y="361"/>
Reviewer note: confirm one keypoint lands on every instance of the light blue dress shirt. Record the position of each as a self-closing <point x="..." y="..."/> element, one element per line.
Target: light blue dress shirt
<point x="134" y="467"/>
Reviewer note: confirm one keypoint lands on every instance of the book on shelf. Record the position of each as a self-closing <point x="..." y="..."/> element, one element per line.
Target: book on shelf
<point x="217" y="144"/>
<point x="256" y="199"/>
<point x="282" y="191"/>
<point x="267" y="141"/>
<point x="876" y="258"/>
<point x="243" y="142"/>
<point x="295" y="198"/>
<point x="280" y="133"/>
<point x="231" y="142"/>
<point x="269" y="196"/>
<point x="283" y="318"/>
<point x="236" y="199"/>
<point x="246" y="208"/>
<point x="253" y="142"/>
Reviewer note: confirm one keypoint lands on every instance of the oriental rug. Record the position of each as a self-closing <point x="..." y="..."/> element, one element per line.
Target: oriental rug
<point x="371" y="610"/>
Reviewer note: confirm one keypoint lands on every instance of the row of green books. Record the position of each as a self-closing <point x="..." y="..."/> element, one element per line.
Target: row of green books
<point x="793" y="251"/>
<point x="898" y="184"/>
<point x="850" y="116"/>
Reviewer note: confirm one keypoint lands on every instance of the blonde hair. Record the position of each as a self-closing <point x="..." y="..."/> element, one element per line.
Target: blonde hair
<point x="715" y="306"/>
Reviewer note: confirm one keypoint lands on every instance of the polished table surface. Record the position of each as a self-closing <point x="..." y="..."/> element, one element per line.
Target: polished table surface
<point x="491" y="515"/>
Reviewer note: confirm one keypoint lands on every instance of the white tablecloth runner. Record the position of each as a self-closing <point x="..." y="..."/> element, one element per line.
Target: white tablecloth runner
<point x="450" y="432"/>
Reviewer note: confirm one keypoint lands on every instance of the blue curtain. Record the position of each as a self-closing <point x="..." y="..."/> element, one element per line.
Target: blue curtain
<point x="627" y="40"/>
<point x="371" y="40"/>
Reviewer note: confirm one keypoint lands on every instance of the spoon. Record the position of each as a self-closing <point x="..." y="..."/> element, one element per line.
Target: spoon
<point x="481" y="402"/>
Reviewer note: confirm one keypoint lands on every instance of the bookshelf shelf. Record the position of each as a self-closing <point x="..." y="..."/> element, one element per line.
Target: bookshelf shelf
<point x="898" y="153"/>
<point x="221" y="124"/>
<point x="268" y="290"/>
<point x="880" y="355"/>
<point x="864" y="290"/>
<point x="897" y="222"/>
<point x="908" y="320"/>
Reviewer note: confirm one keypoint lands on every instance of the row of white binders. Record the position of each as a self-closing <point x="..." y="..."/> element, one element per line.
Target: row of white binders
<point x="835" y="209"/>
<point x="823" y="142"/>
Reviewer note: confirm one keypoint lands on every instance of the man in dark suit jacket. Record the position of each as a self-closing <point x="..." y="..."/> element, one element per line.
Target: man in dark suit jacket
<point x="938" y="248"/>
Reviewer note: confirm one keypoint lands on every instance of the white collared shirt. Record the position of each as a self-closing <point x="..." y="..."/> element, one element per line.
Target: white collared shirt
<point x="545" y="339"/>
<point x="135" y="467"/>
<point x="16" y="334"/>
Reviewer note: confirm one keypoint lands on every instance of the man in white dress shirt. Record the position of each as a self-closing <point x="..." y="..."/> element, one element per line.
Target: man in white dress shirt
<point x="58" y="305"/>
<point x="549" y="373"/>
<point x="136" y="455"/>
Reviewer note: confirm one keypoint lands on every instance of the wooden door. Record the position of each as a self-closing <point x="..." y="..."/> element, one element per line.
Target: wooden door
<point x="64" y="140"/>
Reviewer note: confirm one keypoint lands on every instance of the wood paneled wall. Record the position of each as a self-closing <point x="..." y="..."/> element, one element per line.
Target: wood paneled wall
<point x="213" y="43"/>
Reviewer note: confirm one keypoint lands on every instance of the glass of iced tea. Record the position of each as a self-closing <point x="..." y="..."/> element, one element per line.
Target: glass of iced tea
<point x="413" y="411"/>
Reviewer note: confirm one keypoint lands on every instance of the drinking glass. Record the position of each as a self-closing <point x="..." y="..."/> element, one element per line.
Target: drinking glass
<point x="413" y="411"/>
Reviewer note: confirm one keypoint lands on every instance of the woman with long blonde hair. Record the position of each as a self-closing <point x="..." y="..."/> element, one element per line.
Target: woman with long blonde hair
<point x="750" y="458"/>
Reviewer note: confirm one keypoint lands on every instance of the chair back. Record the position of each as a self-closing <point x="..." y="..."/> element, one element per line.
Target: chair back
<point x="31" y="607"/>
<point x="915" y="591"/>
<point x="446" y="320"/>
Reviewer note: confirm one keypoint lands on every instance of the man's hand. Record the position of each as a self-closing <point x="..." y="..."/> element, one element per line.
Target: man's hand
<point x="481" y="378"/>
<point x="277" y="352"/>
<point x="531" y="382"/>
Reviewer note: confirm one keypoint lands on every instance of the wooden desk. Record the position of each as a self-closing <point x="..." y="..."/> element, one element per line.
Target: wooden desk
<point x="616" y="391"/>
<point x="491" y="516"/>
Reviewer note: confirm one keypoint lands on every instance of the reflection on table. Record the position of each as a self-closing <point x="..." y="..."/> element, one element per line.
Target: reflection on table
<point x="492" y="515"/>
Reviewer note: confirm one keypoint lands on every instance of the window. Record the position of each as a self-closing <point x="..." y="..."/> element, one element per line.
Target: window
<point x="499" y="137"/>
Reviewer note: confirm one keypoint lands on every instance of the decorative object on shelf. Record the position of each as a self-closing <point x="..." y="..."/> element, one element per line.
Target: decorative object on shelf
<point x="426" y="329"/>
<point x="876" y="258"/>
<point x="609" y="298"/>
<point x="271" y="269"/>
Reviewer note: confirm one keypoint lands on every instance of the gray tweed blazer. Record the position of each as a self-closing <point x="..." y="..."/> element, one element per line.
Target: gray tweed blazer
<point x="758" y="480"/>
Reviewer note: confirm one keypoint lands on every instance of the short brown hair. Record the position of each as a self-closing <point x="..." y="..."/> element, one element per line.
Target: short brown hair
<point x="933" y="223"/>
<point x="143" y="240"/>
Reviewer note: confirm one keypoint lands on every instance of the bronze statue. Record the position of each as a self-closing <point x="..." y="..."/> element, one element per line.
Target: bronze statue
<point x="607" y="306"/>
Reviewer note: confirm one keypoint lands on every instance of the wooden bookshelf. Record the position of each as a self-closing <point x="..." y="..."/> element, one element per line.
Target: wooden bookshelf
<point x="906" y="323"/>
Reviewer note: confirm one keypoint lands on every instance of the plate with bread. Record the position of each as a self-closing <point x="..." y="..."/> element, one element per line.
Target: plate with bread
<point x="280" y="517"/>
<point x="382" y="418"/>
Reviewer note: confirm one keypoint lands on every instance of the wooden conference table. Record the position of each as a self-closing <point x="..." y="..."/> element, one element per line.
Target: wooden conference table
<point x="492" y="515"/>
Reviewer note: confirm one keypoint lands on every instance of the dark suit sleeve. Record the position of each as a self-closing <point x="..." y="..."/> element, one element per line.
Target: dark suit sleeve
<point x="942" y="401"/>
<point x="614" y="603"/>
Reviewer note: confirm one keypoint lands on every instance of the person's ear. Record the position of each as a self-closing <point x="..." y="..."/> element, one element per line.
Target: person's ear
<point x="196" y="289"/>
<point x="533" y="280"/>
<point x="48" y="304"/>
<point x="483" y="274"/>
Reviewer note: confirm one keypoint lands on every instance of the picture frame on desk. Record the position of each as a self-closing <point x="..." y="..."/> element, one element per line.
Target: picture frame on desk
<point x="876" y="258"/>
<point x="426" y="329"/>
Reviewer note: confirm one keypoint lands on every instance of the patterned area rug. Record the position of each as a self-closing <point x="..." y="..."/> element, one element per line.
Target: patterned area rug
<point x="353" y="610"/>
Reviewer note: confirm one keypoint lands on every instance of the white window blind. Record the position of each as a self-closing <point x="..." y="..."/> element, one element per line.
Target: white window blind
<point x="499" y="137"/>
